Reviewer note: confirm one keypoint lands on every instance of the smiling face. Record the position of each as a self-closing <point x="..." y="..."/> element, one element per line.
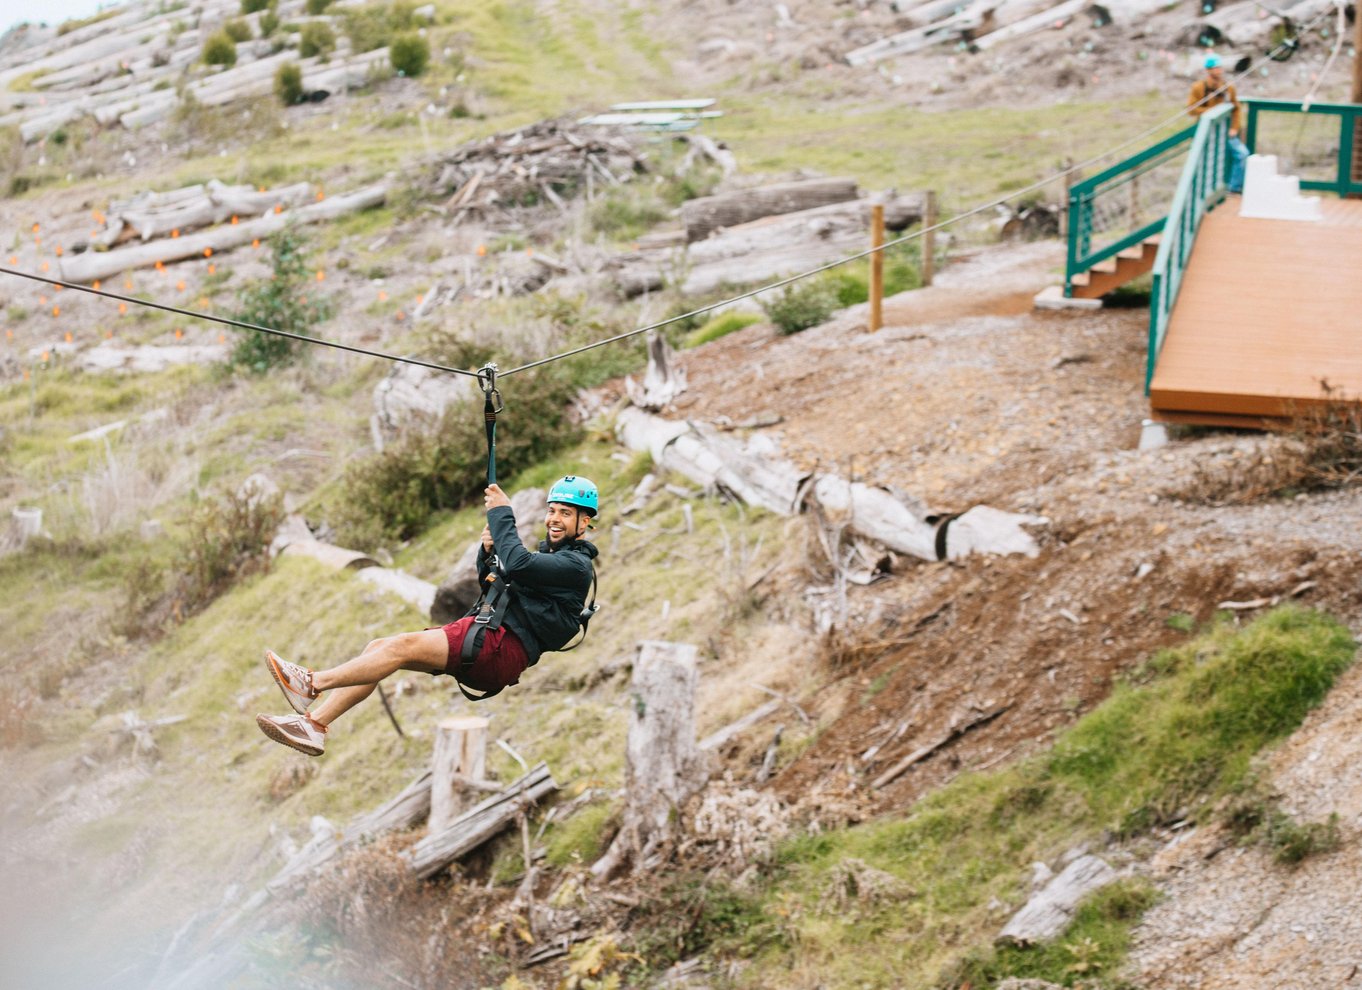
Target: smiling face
<point x="565" y="522"/>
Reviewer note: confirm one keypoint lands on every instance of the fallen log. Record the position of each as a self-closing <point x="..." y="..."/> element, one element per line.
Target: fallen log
<point x="918" y="755"/>
<point x="1048" y="914"/>
<point x="102" y="264"/>
<point x="765" y="248"/>
<point x="708" y="213"/>
<point x="479" y="824"/>
<point x="158" y="214"/>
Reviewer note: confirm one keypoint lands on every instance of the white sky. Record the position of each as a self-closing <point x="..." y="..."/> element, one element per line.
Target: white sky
<point x="52" y="12"/>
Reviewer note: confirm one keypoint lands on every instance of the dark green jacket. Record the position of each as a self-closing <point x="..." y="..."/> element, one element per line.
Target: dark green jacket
<point x="550" y="586"/>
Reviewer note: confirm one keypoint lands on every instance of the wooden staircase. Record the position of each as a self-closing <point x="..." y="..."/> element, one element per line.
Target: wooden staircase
<point x="1114" y="272"/>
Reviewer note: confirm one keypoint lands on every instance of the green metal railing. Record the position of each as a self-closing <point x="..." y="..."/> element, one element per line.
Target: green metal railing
<point x="1202" y="186"/>
<point x="1124" y="205"/>
<point x="1314" y="141"/>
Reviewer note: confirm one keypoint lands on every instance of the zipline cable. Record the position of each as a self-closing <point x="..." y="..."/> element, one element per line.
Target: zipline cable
<point x="195" y="314"/>
<point x="1033" y="187"/>
<point x="482" y="375"/>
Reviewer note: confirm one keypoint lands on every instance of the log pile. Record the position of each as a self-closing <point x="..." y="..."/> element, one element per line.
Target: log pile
<point x="544" y="162"/>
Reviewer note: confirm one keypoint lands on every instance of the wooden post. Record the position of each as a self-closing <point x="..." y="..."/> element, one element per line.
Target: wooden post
<point x="928" y="237"/>
<point x="663" y="765"/>
<point x="876" y="266"/>
<point x="460" y="754"/>
<point x="1357" y="92"/>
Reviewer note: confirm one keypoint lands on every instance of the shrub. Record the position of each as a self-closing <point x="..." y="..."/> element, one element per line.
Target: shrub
<point x="394" y="494"/>
<point x="228" y="539"/>
<point x="288" y="83"/>
<point x="219" y="49"/>
<point x="315" y="7"/>
<point x="269" y="23"/>
<point x="410" y="54"/>
<point x="851" y="282"/>
<point x="238" y="30"/>
<point x="280" y="303"/>
<point x="800" y="305"/>
<point x="721" y="326"/>
<point x="254" y="6"/>
<point x="374" y="26"/>
<point x="316" y="39"/>
<point x="626" y="212"/>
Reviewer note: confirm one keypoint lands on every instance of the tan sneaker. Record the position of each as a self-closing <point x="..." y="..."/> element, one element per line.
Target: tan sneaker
<point x="295" y="681"/>
<point x="299" y="732"/>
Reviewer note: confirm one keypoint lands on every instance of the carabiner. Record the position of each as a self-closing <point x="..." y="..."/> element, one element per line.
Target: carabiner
<point x="487" y="379"/>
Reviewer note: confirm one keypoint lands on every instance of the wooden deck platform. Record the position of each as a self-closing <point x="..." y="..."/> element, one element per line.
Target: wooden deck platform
<point x="1269" y="311"/>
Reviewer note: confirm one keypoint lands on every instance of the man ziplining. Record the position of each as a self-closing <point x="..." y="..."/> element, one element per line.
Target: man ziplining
<point x="535" y="603"/>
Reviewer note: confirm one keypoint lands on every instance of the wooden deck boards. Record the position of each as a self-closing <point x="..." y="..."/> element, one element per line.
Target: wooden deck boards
<point x="1268" y="310"/>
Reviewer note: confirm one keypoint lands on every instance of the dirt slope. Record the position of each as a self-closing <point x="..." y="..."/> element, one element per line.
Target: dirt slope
<point x="969" y="396"/>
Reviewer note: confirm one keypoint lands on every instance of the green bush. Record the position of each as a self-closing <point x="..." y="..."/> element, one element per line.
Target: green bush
<point x="219" y="49"/>
<point x="288" y="83"/>
<point x="269" y="23"/>
<point x="626" y="212"/>
<point x="316" y="39"/>
<point x="228" y="539"/>
<point x="395" y="494"/>
<point x="410" y="54"/>
<point x="374" y="25"/>
<point x="721" y="326"/>
<point x="851" y="282"/>
<point x="280" y="302"/>
<point x="800" y="305"/>
<point x="254" y="6"/>
<point x="238" y="30"/>
<point x="315" y="7"/>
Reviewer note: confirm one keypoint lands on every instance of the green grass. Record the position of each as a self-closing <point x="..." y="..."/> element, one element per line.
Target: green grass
<point x="967" y="156"/>
<point x="721" y="326"/>
<point x="1166" y="745"/>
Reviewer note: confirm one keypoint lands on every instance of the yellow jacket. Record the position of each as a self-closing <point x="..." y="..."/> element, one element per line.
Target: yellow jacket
<point x="1203" y="86"/>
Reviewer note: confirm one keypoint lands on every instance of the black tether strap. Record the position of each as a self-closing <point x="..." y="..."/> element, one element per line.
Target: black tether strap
<point x="496" y="593"/>
<point x="491" y="405"/>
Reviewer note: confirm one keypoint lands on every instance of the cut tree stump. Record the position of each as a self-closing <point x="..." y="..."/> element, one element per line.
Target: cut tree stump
<point x="460" y="753"/>
<point x="664" y="767"/>
<point x="663" y="380"/>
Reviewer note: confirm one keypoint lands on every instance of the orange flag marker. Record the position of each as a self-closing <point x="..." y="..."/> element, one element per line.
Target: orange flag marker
<point x="122" y="309"/>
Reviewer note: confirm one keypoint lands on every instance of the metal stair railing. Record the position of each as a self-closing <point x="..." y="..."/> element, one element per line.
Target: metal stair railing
<point x="1317" y="142"/>
<point x="1203" y="185"/>
<point x="1124" y="205"/>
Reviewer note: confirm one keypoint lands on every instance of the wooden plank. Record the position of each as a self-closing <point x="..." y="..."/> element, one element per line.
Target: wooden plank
<point x="1266" y="315"/>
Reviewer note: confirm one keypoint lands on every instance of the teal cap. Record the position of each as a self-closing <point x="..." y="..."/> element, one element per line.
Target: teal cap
<point x="1213" y="61"/>
<point x="573" y="490"/>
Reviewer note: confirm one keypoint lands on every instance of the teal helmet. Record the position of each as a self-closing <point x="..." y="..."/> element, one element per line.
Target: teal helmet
<point x="573" y="490"/>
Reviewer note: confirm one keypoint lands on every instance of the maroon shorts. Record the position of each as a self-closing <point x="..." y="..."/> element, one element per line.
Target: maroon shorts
<point x="499" y="662"/>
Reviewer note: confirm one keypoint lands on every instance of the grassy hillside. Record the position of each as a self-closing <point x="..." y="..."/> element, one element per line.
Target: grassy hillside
<point x="132" y="847"/>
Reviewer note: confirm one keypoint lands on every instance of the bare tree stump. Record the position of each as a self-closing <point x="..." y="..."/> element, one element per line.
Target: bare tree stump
<point x="460" y="752"/>
<point x="663" y="380"/>
<point x="664" y="767"/>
